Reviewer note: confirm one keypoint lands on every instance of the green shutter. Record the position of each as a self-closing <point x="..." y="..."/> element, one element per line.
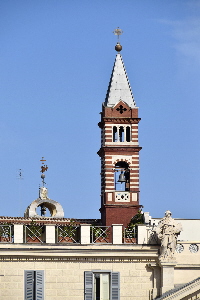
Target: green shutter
<point x="115" y="286"/>
<point x="39" y="285"/>
<point x="88" y="285"/>
<point x="29" y="285"/>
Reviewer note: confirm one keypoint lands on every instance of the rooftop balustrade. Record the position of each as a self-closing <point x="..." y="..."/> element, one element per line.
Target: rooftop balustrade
<point x="72" y="234"/>
<point x="86" y="234"/>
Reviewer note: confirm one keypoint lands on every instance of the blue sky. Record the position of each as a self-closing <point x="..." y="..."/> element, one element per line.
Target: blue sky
<point x="56" y="59"/>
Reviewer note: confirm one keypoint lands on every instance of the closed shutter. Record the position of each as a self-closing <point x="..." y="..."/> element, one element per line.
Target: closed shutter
<point x="29" y="285"/>
<point x="39" y="285"/>
<point x="88" y="285"/>
<point x="115" y="286"/>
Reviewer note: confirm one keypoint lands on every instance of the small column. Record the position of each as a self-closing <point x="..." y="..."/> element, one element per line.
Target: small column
<point x="50" y="233"/>
<point x="85" y="233"/>
<point x="117" y="233"/>
<point x="142" y="234"/>
<point x="118" y="134"/>
<point x="18" y="233"/>
<point x="124" y="133"/>
<point x="167" y="276"/>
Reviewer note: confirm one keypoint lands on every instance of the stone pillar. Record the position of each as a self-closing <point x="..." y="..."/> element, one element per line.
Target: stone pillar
<point x="117" y="233"/>
<point x="142" y="234"/>
<point x="50" y="234"/>
<point x="167" y="275"/>
<point x="18" y="233"/>
<point x="156" y="280"/>
<point x="85" y="233"/>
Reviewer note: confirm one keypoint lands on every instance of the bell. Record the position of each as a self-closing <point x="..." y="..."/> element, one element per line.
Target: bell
<point x="122" y="178"/>
<point x="43" y="210"/>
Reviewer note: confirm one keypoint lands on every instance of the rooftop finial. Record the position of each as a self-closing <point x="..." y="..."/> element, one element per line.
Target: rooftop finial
<point x="43" y="169"/>
<point x="118" y="32"/>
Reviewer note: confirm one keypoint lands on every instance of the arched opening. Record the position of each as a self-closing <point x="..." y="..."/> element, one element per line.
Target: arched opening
<point x="43" y="211"/>
<point x="115" y="137"/>
<point x="128" y="134"/>
<point x="121" y="134"/>
<point x="46" y="209"/>
<point x="122" y="176"/>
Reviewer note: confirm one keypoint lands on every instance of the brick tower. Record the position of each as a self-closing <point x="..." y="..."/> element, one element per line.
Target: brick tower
<point x="119" y="150"/>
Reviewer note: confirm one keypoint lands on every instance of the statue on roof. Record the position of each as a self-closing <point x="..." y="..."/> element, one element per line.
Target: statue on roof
<point x="168" y="230"/>
<point x="43" y="193"/>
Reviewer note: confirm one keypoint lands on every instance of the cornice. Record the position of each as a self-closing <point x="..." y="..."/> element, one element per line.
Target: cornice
<point x="129" y="149"/>
<point x="77" y="259"/>
<point x="118" y="121"/>
<point x="127" y="205"/>
<point x="81" y="253"/>
<point x="44" y="220"/>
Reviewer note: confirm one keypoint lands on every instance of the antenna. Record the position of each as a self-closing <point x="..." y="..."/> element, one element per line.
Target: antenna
<point x="20" y="177"/>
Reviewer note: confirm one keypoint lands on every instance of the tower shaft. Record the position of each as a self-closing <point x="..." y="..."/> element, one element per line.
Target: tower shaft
<point x="119" y="150"/>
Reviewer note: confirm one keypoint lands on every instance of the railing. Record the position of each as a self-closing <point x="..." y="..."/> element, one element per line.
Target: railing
<point x="101" y="234"/>
<point x="34" y="233"/>
<point x="130" y="235"/>
<point x="68" y="234"/>
<point x="87" y="234"/>
<point x="6" y="233"/>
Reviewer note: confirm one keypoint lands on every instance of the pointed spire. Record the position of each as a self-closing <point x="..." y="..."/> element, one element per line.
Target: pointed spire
<point x="119" y="87"/>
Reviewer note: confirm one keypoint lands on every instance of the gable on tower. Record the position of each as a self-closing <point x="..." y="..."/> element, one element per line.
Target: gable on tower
<point x="120" y="110"/>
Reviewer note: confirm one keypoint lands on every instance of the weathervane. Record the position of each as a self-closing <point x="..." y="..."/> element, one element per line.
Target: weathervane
<point x="118" y="32"/>
<point x="43" y="169"/>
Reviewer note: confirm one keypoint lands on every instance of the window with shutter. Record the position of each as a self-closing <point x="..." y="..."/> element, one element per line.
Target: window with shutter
<point x="102" y="285"/>
<point x="34" y="285"/>
<point x="88" y="286"/>
<point x="115" y="286"/>
<point x="29" y="284"/>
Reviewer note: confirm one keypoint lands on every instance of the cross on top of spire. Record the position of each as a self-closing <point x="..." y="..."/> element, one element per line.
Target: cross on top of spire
<point x="118" y="32"/>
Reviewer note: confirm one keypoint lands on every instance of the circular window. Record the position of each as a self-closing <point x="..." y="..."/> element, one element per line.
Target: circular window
<point x="193" y="248"/>
<point x="179" y="248"/>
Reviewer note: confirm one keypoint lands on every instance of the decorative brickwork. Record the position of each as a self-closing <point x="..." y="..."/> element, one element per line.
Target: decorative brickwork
<point x="119" y="151"/>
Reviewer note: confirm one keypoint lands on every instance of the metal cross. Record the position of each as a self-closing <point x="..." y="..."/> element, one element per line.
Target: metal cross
<point x="121" y="109"/>
<point x="118" y="32"/>
<point x="42" y="160"/>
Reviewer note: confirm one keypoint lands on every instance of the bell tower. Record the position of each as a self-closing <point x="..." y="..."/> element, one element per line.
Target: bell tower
<point x="119" y="150"/>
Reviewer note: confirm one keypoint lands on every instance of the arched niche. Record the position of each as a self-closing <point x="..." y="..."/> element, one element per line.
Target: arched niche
<point x="122" y="176"/>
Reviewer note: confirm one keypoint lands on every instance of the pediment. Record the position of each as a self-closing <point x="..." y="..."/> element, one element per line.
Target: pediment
<point x="121" y="108"/>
